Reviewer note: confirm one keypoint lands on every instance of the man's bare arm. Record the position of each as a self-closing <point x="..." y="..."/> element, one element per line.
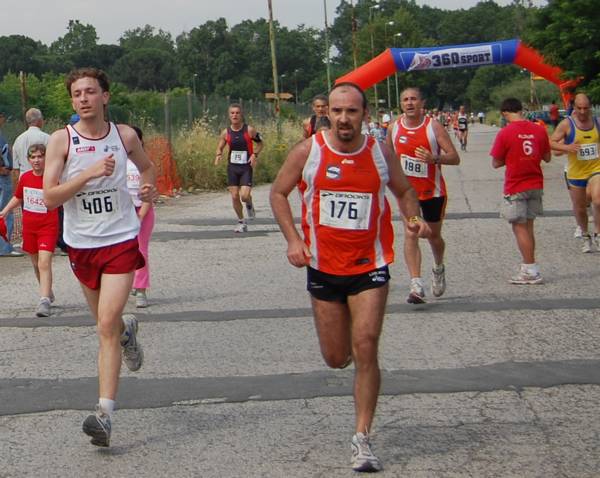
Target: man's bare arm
<point x="287" y="178"/>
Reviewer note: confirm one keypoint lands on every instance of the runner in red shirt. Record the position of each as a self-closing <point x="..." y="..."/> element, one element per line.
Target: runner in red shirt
<point x="423" y="146"/>
<point x="521" y="146"/>
<point x="342" y="176"/>
<point x="40" y="226"/>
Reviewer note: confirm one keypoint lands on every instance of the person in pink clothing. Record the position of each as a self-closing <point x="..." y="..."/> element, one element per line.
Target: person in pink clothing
<point x="145" y="212"/>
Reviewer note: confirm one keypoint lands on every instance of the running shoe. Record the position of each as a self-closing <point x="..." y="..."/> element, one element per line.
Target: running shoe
<point x="13" y="253"/>
<point x="98" y="426"/>
<point x="587" y="245"/>
<point x="578" y="232"/>
<point x="133" y="354"/>
<point x="43" y="309"/>
<point x="241" y="227"/>
<point x="141" y="301"/>
<point x="438" y="280"/>
<point x="524" y="277"/>
<point x="250" y="211"/>
<point x="363" y="458"/>
<point x="416" y="294"/>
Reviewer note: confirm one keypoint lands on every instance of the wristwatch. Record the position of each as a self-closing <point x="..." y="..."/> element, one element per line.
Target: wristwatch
<point x="414" y="219"/>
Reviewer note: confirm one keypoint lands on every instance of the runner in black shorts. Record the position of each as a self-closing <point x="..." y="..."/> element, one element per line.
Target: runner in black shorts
<point x="242" y="157"/>
<point x="336" y="288"/>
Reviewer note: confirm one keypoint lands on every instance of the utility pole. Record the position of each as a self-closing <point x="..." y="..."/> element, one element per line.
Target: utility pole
<point x="327" y="46"/>
<point x="354" y="28"/>
<point x="274" y="66"/>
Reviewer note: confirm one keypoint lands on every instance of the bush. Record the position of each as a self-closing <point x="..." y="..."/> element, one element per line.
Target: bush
<point x="194" y="153"/>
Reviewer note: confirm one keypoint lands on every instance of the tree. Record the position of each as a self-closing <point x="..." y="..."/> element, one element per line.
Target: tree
<point x="566" y="33"/>
<point x="20" y="53"/>
<point x="147" y="37"/>
<point x="146" y="69"/>
<point x="78" y="37"/>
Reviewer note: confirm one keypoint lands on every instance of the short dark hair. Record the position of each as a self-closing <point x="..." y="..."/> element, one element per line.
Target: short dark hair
<point x="365" y="103"/>
<point x="511" y="105"/>
<point x="320" y="97"/>
<point x="322" y="122"/>
<point x="87" y="72"/>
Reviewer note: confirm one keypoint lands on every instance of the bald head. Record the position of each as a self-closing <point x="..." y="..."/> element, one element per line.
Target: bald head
<point x="33" y="117"/>
<point x="582" y="108"/>
<point x="582" y="99"/>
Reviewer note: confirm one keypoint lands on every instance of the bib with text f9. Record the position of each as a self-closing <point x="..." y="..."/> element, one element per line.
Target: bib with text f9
<point x="239" y="157"/>
<point x="97" y="205"/>
<point x="345" y="210"/>
<point x="413" y="167"/>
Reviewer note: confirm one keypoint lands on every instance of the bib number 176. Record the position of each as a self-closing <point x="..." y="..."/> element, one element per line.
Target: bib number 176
<point x="345" y="210"/>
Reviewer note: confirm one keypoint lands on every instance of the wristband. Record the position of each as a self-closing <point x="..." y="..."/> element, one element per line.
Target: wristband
<point x="414" y="219"/>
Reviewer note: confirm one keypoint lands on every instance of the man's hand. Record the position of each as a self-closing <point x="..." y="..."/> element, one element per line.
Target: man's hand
<point x="298" y="253"/>
<point x="148" y="192"/>
<point x="104" y="167"/>
<point x="418" y="225"/>
<point x="423" y="154"/>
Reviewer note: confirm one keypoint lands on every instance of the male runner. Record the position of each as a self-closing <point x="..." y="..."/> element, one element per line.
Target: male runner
<point x="462" y="120"/>
<point x="341" y="175"/>
<point x="241" y="161"/>
<point x="419" y="141"/>
<point x="320" y="106"/>
<point x="521" y="146"/>
<point x="578" y="135"/>
<point x="86" y="171"/>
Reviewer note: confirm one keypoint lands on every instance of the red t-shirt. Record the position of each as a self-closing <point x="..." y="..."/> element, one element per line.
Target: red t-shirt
<point x="35" y="215"/>
<point x="521" y="144"/>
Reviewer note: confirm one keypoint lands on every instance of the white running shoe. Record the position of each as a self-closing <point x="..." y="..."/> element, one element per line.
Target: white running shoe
<point x="363" y="458"/>
<point x="241" y="227"/>
<point x="578" y="233"/>
<point x="133" y="354"/>
<point x="43" y="309"/>
<point x="438" y="280"/>
<point x="417" y="292"/>
<point x="525" y="277"/>
<point x="141" y="301"/>
<point x="587" y="244"/>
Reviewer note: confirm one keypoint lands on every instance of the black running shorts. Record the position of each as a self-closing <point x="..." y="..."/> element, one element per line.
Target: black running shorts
<point x="334" y="288"/>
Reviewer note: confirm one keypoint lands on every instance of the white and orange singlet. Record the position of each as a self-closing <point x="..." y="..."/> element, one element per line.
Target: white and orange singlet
<point x="346" y="218"/>
<point x="425" y="178"/>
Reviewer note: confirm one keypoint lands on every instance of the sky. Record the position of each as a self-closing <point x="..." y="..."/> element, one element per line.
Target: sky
<point x="47" y="20"/>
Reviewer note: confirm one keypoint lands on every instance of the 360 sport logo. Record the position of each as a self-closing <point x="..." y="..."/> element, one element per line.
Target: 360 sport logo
<point x="452" y="57"/>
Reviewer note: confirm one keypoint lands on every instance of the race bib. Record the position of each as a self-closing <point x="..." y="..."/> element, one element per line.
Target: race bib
<point x="413" y="167"/>
<point x="345" y="210"/>
<point x="97" y="205"/>
<point x="239" y="157"/>
<point x="33" y="200"/>
<point x="133" y="180"/>
<point x="462" y="126"/>
<point x="588" y="152"/>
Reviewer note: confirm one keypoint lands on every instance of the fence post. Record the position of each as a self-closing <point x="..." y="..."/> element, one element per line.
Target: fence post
<point x="168" y="119"/>
<point x="189" y="109"/>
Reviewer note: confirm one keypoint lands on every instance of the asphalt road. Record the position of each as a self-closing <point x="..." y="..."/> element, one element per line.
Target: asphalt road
<point x="491" y="380"/>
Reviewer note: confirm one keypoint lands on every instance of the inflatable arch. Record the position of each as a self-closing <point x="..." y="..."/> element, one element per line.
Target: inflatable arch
<point x="503" y="52"/>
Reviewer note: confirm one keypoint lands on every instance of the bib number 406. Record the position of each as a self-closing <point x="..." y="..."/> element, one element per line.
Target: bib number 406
<point x="98" y="205"/>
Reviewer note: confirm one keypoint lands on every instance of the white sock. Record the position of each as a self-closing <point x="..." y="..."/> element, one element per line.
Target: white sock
<point x="107" y="405"/>
<point x="417" y="280"/>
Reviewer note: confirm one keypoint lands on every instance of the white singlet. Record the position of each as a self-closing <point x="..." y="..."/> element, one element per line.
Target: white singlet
<point x="102" y="213"/>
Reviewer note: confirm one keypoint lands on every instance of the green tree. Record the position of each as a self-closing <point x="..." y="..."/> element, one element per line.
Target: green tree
<point x="147" y="37"/>
<point x="79" y="36"/>
<point x="146" y="69"/>
<point x="20" y="53"/>
<point x="567" y="34"/>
